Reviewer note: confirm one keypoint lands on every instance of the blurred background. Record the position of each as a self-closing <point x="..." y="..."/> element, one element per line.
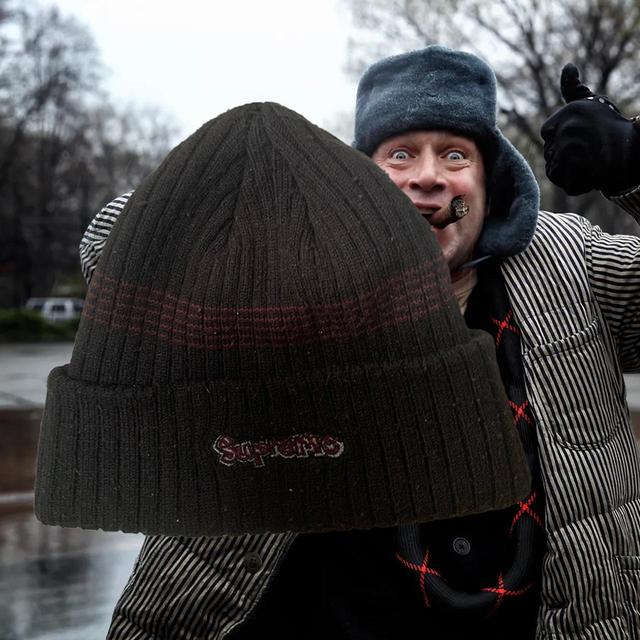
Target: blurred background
<point x="93" y="94"/>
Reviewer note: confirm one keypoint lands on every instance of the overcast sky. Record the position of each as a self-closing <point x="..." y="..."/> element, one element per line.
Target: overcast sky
<point x="198" y="58"/>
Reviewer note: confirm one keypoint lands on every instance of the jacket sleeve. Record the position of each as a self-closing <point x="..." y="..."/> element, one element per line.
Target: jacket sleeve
<point x="614" y="271"/>
<point x="196" y="588"/>
<point x="95" y="236"/>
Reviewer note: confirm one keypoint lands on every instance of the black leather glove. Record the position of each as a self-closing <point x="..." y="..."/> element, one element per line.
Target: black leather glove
<point x="589" y="144"/>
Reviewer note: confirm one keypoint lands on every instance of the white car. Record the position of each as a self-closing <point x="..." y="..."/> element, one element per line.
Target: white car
<point x="56" y="308"/>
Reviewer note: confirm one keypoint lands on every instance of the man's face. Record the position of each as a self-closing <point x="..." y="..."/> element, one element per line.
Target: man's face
<point x="432" y="167"/>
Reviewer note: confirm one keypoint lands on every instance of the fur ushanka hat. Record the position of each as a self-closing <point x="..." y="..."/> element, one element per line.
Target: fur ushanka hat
<point x="441" y="88"/>
<point x="270" y="342"/>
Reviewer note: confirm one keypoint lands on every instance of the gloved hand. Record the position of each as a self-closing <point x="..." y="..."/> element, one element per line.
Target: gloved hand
<point x="589" y="144"/>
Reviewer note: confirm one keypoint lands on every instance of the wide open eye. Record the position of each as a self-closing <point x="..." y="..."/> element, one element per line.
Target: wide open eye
<point x="399" y="154"/>
<point x="455" y="155"/>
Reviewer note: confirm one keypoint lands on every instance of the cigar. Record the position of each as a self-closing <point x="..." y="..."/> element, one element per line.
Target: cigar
<point x="458" y="209"/>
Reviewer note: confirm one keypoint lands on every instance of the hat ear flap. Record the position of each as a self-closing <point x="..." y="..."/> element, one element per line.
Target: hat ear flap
<point x="513" y="200"/>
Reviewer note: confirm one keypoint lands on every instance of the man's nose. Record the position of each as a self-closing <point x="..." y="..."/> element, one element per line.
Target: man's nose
<point x="427" y="175"/>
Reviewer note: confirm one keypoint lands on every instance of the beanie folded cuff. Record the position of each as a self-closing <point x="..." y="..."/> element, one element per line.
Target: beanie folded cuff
<point x="349" y="448"/>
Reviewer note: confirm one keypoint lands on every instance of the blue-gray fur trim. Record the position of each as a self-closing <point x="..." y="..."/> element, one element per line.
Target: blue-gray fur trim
<point x="441" y="88"/>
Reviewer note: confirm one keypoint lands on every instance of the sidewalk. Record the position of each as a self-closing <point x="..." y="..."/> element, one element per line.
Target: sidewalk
<point x="55" y="583"/>
<point x="24" y="369"/>
<point x="58" y="583"/>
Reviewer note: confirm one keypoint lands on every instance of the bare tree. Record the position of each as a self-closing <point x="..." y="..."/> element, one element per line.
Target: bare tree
<point x="64" y="148"/>
<point x="527" y="42"/>
<point x="50" y="71"/>
<point x="114" y="150"/>
<point x="49" y="67"/>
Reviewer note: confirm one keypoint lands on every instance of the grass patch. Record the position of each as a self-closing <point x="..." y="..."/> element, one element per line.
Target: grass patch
<point x="21" y="325"/>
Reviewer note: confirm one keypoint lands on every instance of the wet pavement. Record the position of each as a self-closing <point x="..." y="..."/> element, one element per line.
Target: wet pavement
<point x="55" y="583"/>
<point x="18" y="443"/>
<point x="59" y="584"/>
<point x="24" y="368"/>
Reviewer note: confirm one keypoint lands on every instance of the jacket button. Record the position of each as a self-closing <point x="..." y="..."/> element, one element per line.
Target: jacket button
<point x="462" y="546"/>
<point x="252" y="562"/>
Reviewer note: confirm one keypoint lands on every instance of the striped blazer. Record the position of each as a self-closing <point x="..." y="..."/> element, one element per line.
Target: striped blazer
<point x="575" y="293"/>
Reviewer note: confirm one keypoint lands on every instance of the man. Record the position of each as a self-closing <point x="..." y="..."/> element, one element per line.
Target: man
<point x="561" y="301"/>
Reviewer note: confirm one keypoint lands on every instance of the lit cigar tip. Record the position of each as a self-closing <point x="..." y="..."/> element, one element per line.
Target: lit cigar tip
<point x="458" y="208"/>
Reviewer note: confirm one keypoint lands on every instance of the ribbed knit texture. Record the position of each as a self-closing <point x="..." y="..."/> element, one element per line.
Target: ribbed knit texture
<point x="270" y="342"/>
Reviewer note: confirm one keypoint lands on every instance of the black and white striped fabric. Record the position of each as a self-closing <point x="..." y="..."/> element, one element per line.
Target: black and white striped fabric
<point x="575" y="293"/>
<point x="196" y="587"/>
<point x="95" y="236"/>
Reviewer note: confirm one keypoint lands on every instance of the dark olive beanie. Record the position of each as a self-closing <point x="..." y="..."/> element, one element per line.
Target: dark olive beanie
<point x="270" y="342"/>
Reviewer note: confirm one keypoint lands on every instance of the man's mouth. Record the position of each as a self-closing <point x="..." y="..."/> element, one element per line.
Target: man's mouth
<point x="430" y="215"/>
<point x="441" y="216"/>
<point x="427" y="211"/>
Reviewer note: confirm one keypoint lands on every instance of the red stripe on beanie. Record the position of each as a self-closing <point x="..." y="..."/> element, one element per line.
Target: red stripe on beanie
<point x="138" y="309"/>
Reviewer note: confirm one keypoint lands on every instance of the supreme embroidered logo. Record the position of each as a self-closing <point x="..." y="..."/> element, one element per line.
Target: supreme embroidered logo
<point x="304" y="445"/>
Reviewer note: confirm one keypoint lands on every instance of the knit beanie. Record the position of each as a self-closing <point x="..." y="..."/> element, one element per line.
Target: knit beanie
<point x="445" y="89"/>
<point x="270" y="343"/>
